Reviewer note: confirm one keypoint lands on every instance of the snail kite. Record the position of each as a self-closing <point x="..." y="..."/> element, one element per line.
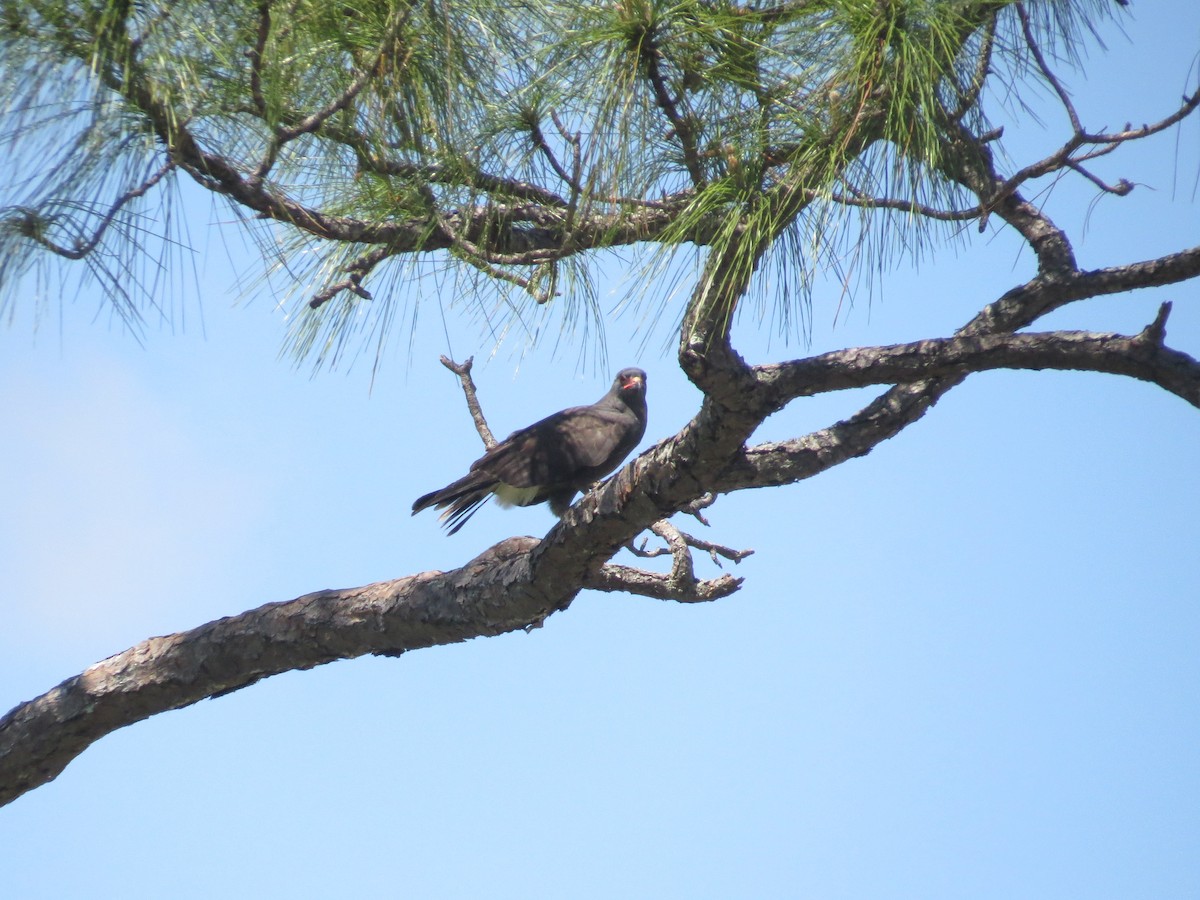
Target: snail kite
<point x="552" y="459"/>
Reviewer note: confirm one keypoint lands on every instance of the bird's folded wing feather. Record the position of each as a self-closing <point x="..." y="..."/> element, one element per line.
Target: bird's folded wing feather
<point x="584" y="442"/>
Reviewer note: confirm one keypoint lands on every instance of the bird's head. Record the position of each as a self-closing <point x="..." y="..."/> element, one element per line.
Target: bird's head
<point x="631" y="383"/>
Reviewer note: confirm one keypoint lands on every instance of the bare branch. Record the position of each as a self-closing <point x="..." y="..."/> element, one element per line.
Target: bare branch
<point x="1135" y="356"/>
<point x="1159" y="272"/>
<point x="696" y="507"/>
<point x="1187" y="107"/>
<point x="1066" y="157"/>
<point x="1120" y="189"/>
<point x="715" y="551"/>
<point x="790" y="461"/>
<point x="463" y="371"/>
<point x="1049" y="75"/>
<point x="352" y="283"/>
<point x="40" y="737"/>
<point x="784" y="462"/>
<point x="613" y="577"/>
<point x="679" y="543"/>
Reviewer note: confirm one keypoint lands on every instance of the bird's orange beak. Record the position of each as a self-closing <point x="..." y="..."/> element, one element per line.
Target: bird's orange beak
<point x="630" y="382"/>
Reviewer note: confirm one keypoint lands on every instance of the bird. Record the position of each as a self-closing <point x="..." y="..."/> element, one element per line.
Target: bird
<point x="552" y="459"/>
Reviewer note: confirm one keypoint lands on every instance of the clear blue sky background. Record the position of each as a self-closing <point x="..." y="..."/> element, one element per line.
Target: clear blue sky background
<point x="965" y="666"/>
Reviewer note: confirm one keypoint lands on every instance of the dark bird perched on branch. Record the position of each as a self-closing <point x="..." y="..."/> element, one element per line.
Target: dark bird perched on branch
<point x="552" y="459"/>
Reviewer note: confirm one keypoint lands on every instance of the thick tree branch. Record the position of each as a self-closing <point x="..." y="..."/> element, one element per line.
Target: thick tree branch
<point x="507" y="241"/>
<point x="1025" y="304"/>
<point x="40" y="737"/>
<point x="1141" y="356"/>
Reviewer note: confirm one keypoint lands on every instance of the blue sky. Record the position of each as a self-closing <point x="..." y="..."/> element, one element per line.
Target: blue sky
<point x="964" y="666"/>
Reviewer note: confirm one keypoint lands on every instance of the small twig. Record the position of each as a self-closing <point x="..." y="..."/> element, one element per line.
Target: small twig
<point x="716" y="550"/>
<point x="909" y="206"/>
<point x="33" y="227"/>
<point x="358" y="270"/>
<point x="682" y="123"/>
<point x="1188" y="106"/>
<point x="543" y="146"/>
<point x="982" y="68"/>
<point x="463" y="371"/>
<point x="571" y="137"/>
<point x="614" y="577"/>
<point x="702" y="502"/>
<point x="1156" y="332"/>
<point x="640" y="550"/>
<point x="353" y="284"/>
<point x="573" y="140"/>
<point x="311" y="123"/>
<point x="1051" y="78"/>
<point x="526" y="284"/>
<point x="679" y="544"/>
<point x="1101" y="150"/>
<point x="1121" y="188"/>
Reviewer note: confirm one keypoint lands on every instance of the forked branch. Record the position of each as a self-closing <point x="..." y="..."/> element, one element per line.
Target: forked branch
<point x="463" y="371"/>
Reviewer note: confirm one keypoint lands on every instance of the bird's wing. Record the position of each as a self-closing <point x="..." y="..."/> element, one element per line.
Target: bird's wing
<point x="571" y="447"/>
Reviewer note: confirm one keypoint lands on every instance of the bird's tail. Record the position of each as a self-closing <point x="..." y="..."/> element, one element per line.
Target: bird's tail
<point x="458" y="501"/>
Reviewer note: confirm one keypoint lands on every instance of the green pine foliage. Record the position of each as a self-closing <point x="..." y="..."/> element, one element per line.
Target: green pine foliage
<point x="754" y="133"/>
